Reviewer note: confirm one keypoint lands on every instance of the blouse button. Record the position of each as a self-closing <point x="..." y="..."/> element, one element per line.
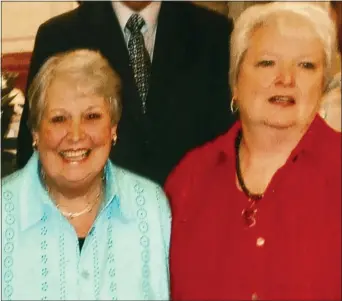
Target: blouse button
<point x="255" y="296"/>
<point x="85" y="274"/>
<point x="260" y="241"/>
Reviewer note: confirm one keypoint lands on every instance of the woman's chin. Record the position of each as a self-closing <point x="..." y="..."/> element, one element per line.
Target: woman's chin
<point x="75" y="179"/>
<point x="74" y="174"/>
<point x="280" y="123"/>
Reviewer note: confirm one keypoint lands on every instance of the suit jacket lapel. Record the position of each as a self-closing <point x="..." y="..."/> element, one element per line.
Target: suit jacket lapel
<point x="107" y="35"/>
<point x="169" y="56"/>
<point x="169" y="52"/>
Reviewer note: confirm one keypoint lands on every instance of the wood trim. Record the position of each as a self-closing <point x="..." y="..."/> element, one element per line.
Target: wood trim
<point x="17" y="39"/>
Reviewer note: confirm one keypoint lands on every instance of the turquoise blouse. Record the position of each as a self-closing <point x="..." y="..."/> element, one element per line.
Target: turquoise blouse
<point x="124" y="257"/>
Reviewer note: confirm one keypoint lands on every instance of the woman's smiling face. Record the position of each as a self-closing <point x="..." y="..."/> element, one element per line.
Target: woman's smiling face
<point x="75" y="134"/>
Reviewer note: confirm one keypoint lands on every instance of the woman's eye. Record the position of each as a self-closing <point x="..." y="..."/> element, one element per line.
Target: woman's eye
<point x="92" y="116"/>
<point x="307" y="65"/>
<point x="58" y="119"/>
<point x="265" y="63"/>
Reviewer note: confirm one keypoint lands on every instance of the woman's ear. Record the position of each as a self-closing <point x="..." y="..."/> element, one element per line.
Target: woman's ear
<point x="35" y="135"/>
<point x="35" y="141"/>
<point x="113" y="130"/>
<point x="235" y="93"/>
<point x="113" y="134"/>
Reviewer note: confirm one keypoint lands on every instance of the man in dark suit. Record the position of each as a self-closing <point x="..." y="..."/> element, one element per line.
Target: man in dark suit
<point x="188" y="94"/>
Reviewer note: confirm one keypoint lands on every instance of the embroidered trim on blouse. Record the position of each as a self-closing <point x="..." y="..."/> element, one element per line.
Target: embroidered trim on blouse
<point x="111" y="257"/>
<point x="44" y="258"/>
<point x="8" y="245"/>
<point x="144" y="239"/>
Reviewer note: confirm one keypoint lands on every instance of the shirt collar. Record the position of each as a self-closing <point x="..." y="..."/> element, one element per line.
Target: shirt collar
<point x="226" y="142"/>
<point x="149" y="13"/>
<point x="315" y="140"/>
<point x="35" y="202"/>
<point x="33" y="197"/>
<point x="114" y="194"/>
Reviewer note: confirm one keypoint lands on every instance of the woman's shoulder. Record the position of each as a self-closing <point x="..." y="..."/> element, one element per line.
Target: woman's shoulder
<point x="135" y="190"/>
<point x="326" y="151"/>
<point x="128" y="179"/>
<point x="201" y="159"/>
<point x="23" y="176"/>
<point x="12" y="181"/>
<point x="328" y="140"/>
<point x="11" y="189"/>
<point x="331" y="153"/>
<point x="126" y="183"/>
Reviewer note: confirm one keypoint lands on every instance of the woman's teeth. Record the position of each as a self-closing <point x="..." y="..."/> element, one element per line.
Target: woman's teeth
<point x="282" y="100"/>
<point x="75" y="155"/>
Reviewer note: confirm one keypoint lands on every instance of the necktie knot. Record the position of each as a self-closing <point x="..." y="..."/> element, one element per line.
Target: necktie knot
<point x="135" y="23"/>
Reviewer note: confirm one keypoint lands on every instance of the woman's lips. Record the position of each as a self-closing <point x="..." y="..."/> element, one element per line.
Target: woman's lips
<point x="75" y="155"/>
<point x="282" y="100"/>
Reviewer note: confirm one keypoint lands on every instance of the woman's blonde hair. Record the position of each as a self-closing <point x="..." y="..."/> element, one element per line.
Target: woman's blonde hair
<point x="257" y="15"/>
<point x="87" y="70"/>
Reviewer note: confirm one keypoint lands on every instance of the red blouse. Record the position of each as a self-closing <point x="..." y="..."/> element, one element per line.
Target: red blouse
<point x="294" y="250"/>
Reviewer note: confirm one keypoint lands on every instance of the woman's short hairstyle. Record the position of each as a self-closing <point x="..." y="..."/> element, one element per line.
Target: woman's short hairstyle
<point x="257" y="15"/>
<point x="87" y="70"/>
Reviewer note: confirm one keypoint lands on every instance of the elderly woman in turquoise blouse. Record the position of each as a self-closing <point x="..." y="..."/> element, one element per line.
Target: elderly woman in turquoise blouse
<point x="75" y="226"/>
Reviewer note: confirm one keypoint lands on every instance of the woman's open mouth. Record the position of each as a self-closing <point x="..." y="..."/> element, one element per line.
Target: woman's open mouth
<point x="282" y="100"/>
<point x="75" y="155"/>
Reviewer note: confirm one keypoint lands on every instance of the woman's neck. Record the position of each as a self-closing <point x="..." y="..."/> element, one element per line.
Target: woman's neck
<point x="74" y="199"/>
<point x="263" y="143"/>
<point x="262" y="151"/>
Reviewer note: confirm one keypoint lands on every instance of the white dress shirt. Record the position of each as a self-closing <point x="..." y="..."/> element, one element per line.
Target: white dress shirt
<point x="149" y="14"/>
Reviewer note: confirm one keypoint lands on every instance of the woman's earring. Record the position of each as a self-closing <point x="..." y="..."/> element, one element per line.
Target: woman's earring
<point x="233" y="107"/>
<point x="114" y="140"/>
<point x="35" y="144"/>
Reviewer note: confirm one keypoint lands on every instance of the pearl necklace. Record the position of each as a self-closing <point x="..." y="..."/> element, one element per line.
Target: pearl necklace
<point x="70" y="215"/>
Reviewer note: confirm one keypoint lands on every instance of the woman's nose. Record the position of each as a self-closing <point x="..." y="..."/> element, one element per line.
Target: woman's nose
<point x="76" y="132"/>
<point x="286" y="76"/>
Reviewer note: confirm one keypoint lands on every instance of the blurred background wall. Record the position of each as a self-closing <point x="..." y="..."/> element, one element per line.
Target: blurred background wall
<point x="20" y="21"/>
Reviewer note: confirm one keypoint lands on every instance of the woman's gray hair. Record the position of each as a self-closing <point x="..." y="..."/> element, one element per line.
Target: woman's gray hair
<point x="87" y="70"/>
<point x="257" y="15"/>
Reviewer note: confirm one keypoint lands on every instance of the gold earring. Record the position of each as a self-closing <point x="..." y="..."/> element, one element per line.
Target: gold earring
<point x="114" y="140"/>
<point x="233" y="108"/>
<point x="35" y="144"/>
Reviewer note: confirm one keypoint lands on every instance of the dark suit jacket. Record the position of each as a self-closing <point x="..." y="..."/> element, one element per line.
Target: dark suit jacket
<point x="188" y="99"/>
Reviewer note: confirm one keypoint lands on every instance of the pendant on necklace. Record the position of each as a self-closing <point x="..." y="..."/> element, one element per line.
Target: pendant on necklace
<point x="249" y="216"/>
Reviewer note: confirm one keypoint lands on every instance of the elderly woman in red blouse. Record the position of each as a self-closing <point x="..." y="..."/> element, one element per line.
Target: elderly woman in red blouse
<point x="257" y="212"/>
